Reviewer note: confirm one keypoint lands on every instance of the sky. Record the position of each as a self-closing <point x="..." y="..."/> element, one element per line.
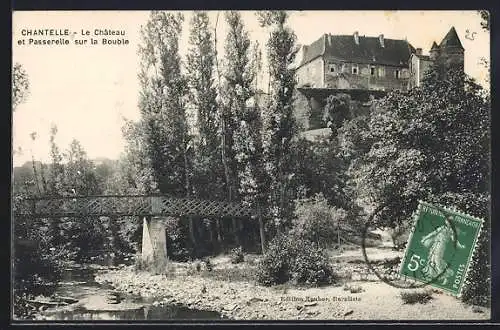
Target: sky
<point x="88" y="90"/>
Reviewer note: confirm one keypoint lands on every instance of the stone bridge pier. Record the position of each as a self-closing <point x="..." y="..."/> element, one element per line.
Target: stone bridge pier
<point x="154" y="242"/>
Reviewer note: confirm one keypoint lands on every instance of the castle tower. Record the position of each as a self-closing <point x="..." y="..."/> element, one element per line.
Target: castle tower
<point x="451" y="50"/>
<point x="434" y="52"/>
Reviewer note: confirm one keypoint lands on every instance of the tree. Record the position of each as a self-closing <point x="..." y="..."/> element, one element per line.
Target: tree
<point x="20" y="85"/>
<point x="163" y="126"/>
<point x="426" y="143"/>
<point x="200" y="66"/>
<point x="239" y="75"/>
<point x="163" y="131"/>
<point x="430" y="143"/>
<point x="279" y="124"/>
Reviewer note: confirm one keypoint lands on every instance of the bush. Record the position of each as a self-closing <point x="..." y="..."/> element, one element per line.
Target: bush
<point x="400" y="234"/>
<point x="476" y="289"/>
<point x="237" y="255"/>
<point x="317" y="221"/>
<point x="290" y="258"/>
<point x="418" y="296"/>
<point x="353" y="288"/>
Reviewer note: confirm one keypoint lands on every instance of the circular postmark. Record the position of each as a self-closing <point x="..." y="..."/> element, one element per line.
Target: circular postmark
<point x="405" y="281"/>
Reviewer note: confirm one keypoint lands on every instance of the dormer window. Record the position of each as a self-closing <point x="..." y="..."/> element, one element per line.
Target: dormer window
<point x="355" y="69"/>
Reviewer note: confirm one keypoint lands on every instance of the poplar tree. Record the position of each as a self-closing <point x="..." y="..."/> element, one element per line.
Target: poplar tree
<point x="280" y="129"/>
<point x="207" y="182"/>
<point x="163" y="123"/>
<point x="239" y="75"/>
<point x="163" y="128"/>
<point x="200" y="77"/>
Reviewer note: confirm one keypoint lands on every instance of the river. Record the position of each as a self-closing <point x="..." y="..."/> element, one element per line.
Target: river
<point x="93" y="303"/>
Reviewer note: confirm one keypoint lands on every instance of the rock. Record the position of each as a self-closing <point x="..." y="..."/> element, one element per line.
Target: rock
<point x="310" y="304"/>
<point x="230" y="307"/>
<point x="477" y="309"/>
<point x="299" y="307"/>
<point x="254" y="300"/>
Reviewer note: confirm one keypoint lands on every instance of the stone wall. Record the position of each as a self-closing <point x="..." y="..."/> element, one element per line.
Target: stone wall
<point x="384" y="77"/>
<point x="311" y="74"/>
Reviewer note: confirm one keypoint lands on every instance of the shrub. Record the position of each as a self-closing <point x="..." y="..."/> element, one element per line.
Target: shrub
<point x="353" y="288"/>
<point x="317" y="221"/>
<point x="400" y="234"/>
<point x="418" y="296"/>
<point x="237" y="255"/>
<point x="290" y="258"/>
<point x="208" y="265"/>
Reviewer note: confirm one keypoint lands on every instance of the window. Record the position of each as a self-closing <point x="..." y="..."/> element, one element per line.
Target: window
<point x="354" y="69"/>
<point x="381" y="72"/>
<point x="372" y="71"/>
<point x="332" y="68"/>
<point x="397" y="74"/>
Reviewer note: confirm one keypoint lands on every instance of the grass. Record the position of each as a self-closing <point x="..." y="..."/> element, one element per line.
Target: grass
<point x="416" y="296"/>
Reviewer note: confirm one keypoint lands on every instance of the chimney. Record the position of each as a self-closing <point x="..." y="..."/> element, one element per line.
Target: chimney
<point x="419" y="51"/>
<point x="356" y="37"/>
<point x="381" y="39"/>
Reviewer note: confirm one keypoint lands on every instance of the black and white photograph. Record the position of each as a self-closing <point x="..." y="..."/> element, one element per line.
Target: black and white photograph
<point x="247" y="165"/>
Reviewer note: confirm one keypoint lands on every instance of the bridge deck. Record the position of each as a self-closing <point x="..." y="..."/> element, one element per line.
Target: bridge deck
<point x="79" y="206"/>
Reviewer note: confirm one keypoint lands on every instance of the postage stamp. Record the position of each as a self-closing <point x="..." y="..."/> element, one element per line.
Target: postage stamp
<point x="440" y="247"/>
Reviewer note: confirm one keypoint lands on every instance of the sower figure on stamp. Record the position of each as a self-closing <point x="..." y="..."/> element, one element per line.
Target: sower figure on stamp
<point x="437" y="241"/>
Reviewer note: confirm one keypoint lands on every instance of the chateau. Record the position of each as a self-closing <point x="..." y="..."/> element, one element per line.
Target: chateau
<point x="363" y="68"/>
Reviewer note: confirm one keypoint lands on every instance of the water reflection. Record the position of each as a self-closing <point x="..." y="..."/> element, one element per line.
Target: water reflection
<point x="80" y="284"/>
<point x="144" y="313"/>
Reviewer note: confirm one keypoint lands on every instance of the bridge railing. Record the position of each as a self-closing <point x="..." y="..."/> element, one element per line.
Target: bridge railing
<point x="131" y="205"/>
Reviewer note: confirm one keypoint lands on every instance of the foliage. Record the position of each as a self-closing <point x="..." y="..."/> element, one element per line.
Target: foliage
<point x="321" y="170"/>
<point x="317" y="221"/>
<point x="202" y="101"/>
<point x="163" y="125"/>
<point x="239" y="74"/>
<point x="416" y="296"/>
<point x="280" y="128"/>
<point x="20" y="85"/>
<point x="485" y="19"/>
<point x="290" y="258"/>
<point x="237" y="255"/>
<point x="177" y="247"/>
<point x="337" y="110"/>
<point x="430" y="143"/>
<point x="424" y="144"/>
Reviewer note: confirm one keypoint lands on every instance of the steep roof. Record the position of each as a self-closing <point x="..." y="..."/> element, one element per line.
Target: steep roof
<point x="451" y="40"/>
<point x="343" y="47"/>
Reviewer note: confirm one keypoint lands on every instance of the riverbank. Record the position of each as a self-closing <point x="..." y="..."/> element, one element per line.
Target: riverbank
<point x="245" y="300"/>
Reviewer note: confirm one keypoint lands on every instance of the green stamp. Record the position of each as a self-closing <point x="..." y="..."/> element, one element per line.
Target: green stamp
<point x="440" y="247"/>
